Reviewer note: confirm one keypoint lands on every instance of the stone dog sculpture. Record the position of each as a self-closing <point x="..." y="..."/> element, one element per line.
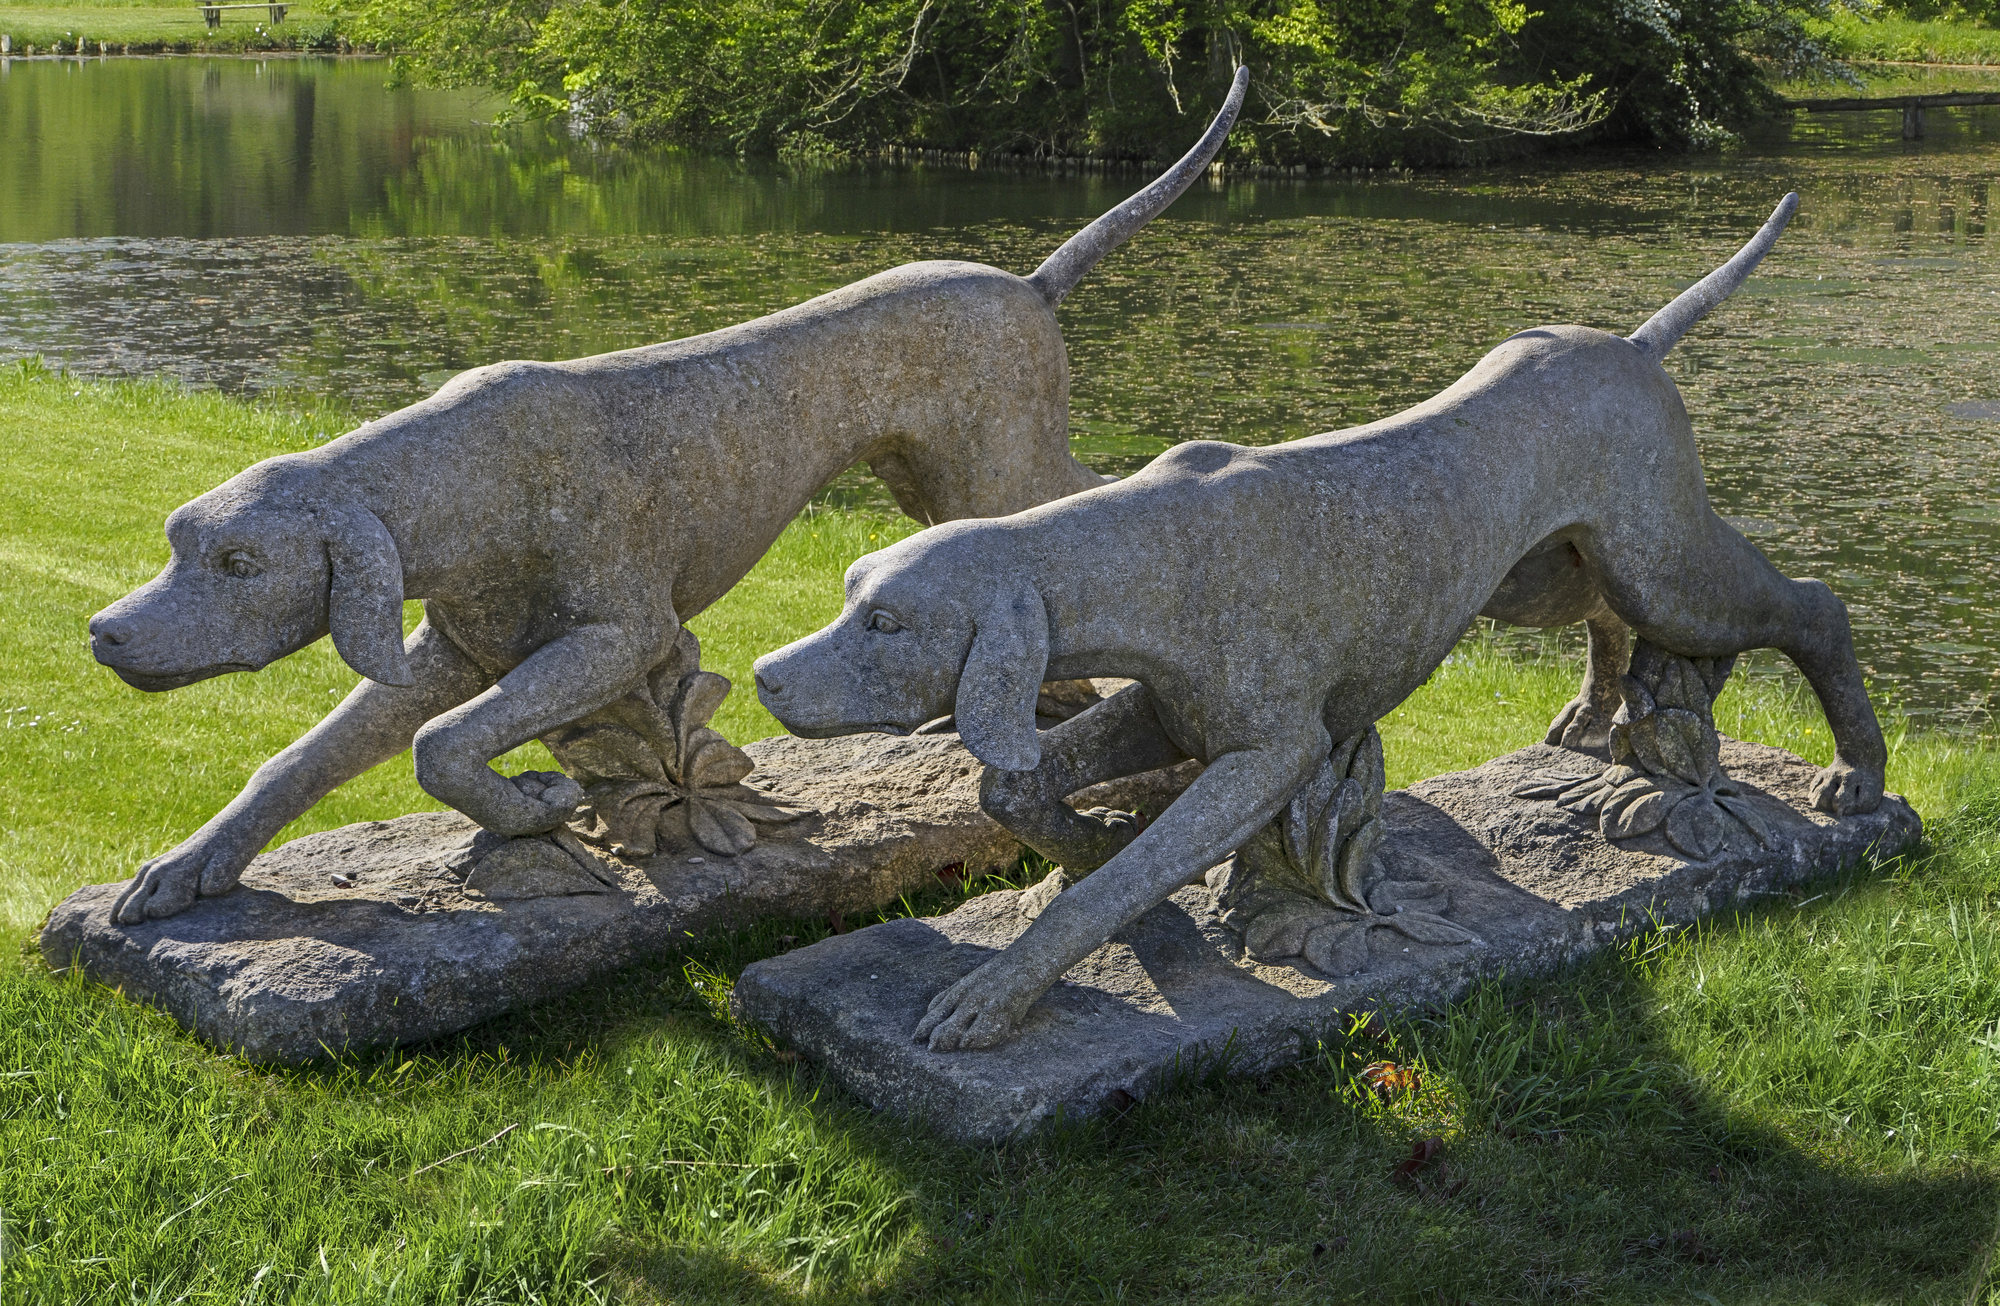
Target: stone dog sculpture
<point x="561" y="520"/>
<point x="1272" y="601"/>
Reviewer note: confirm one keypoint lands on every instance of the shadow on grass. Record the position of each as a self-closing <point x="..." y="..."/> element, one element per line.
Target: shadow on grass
<point x="1580" y="1157"/>
<point x="630" y="1140"/>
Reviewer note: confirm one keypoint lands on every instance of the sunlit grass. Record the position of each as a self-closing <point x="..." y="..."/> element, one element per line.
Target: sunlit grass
<point x="148" y="27"/>
<point x="1853" y="35"/>
<point x="1794" y="1105"/>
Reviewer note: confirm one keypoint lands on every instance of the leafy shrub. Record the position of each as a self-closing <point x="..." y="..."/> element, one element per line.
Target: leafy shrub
<point x="1358" y="81"/>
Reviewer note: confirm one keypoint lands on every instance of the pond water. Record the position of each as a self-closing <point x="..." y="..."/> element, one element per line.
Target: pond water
<point x="284" y="225"/>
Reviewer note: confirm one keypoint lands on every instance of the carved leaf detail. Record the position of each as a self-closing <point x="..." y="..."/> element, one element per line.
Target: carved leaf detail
<point x="1306" y="804"/>
<point x="1624" y="796"/>
<point x="1369" y="770"/>
<point x="1632" y="819"/>
<point x="1339" y="949"/>
<point x="713" y="762"/>
<point x="1715" y="674"/>
<point x="1697" y="826"/>
<point x="633" y="825"/>
<point x="1345" y="814"/>
<point x="1422" y="927"/>
<point x="683" y="659"/>
<point x="697" y="699"/>
<point x="530" y="868"/>
<point x="1667" y="772"/>
<point x="608" y="752"/>
<point x="1749" y="817"/>
<point x="1278" y="932"/>
<point x="1586" y="798"/>
<point x="772" y="813"/>
<point x="720" y="828"/>
<point x="1392" y="896"/>
<point x="1356" y="859"/>
<point x="1550" y="784"/>
<point x="1688" y="744"/>
<point x="1638" y="699"/>
<point x="1681" y="687"/>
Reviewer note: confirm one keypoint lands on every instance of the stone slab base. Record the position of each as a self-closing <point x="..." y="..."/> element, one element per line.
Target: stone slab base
<point x="293" y="965"/>
<point x="1539" y="886"/>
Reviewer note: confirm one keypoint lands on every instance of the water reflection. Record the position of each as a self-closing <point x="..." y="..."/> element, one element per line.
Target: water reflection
<point x="295" y="225"/>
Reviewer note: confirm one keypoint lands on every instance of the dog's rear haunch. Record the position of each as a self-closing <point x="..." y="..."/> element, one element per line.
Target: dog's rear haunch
<point x="1272" y="600"/>
<point x="560" y="520"/>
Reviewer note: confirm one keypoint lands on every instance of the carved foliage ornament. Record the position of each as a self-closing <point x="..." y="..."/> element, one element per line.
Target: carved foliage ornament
<point x="1310" y="884"/>
<point x="649" y="766"/>
<point x="1666" y="762"/>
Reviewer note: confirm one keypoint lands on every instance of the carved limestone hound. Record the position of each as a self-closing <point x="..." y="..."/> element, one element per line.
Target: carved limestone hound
<point x="561" y="520"/>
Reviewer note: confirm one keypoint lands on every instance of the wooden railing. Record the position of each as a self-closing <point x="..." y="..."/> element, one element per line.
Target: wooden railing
<point x="1913" y="106"/>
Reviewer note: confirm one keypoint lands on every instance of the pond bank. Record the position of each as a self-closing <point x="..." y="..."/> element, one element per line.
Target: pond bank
<point x="113" y="31"/>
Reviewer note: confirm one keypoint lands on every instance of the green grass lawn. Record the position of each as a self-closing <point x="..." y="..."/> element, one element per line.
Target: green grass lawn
<point x="1904" y="40"/>
<point x="1799" y="1104"/>
<point x="151" y="27"/>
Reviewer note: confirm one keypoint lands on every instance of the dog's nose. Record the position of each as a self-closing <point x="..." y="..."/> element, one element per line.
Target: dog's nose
<point x="113" y="630"/>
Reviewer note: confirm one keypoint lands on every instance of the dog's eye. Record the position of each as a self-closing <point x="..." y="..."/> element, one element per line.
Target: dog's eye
<point x="883" y="623"/>
<point x="241" y="565"/>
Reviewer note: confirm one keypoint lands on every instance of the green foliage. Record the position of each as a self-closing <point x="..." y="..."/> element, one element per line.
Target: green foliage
<point x="1984" y="13"/>
<point x="1904" y="34"/>
<point x="1370" y="81"/>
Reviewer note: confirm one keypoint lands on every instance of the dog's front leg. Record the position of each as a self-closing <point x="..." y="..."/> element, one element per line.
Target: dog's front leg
<point x="1214" y="816"/>
<point x="1118" y="737"/>
<point x="564" y="679"/>
<point x="372" y="724"/>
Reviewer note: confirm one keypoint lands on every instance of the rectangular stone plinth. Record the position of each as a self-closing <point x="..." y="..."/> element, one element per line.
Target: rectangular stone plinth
<point x="1537" y="884"/>
<point x="294" y="964"/>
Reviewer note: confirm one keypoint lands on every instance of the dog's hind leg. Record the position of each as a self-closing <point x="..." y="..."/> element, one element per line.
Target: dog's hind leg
<point x="1584" y="724"/>
<point x="1120" y="736"/>
<point x="1716" y="595"/>
<point x="1549" y="587"/>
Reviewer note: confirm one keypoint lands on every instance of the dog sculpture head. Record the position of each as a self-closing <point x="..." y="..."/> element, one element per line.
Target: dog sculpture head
<point x="937" y="624"/>
<point x="261" y="568"/>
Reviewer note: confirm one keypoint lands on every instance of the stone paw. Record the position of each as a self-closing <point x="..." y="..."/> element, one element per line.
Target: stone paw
<point x="1127" y="823"/>
<point x="559" y="795"/>
<point x="203" y="867"/>
<point x="1844" y="789"/>
<point x="982" y="1010"/>
<point x="1580" y="727"/>
<point x="1034" y="899"/>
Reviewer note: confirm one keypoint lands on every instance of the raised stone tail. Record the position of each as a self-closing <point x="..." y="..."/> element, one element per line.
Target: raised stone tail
<point x="1060" y="272"/>
<point x="1665" y="328"/>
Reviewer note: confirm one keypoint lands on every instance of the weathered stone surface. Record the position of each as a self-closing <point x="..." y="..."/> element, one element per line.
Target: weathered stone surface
<point x="1273" y="603"/>
<point x="293" y="963"/>
<point x="558" y="519"/>
<point x="1270" y="602"/>
<point x="1538" y="885"/>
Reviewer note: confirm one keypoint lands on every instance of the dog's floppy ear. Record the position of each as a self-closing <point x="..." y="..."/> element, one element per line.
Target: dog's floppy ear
<point x="364" y="608"/>
<point x="1003" y="677"/>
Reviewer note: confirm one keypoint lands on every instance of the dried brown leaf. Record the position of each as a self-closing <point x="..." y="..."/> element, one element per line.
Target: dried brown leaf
<point x="1388" y="1079"/>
